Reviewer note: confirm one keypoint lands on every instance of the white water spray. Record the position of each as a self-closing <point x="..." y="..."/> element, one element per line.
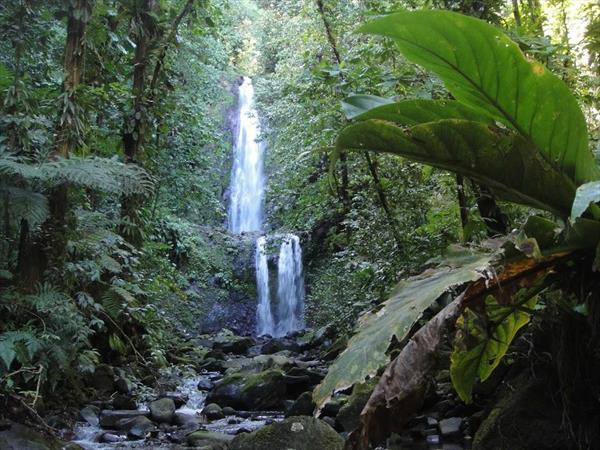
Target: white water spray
<point x="264" y="316"/>
<point x="247" y="179"/>
<point x="290" y="287"/>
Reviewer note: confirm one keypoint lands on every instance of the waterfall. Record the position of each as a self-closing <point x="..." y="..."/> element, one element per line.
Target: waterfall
<point x="246" y="215"/>
<point x="264" y="316"/>
<point x="290" y="286"/>
<point x="247" y="179"/>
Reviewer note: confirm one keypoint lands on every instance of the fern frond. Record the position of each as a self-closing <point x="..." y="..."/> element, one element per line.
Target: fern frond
<point x="25" y="204"/>
<point x="103" y="174"/>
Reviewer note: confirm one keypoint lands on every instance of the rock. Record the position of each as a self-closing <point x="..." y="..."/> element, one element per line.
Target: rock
<point x="523" y="417"/>
<point x="263" y="391"/>
<point x="451" y="426"/>
<point x="303" y="406"/>
<point x="329" y="421"/>
<point x="277" y="345"/>
<point x="312" y="376"/>
<point x="229" y="411"/>
<point x="90" y="415"/>
<point x="103" y="378"/>
<point x="180" y="436"/>
<point x="299" y="433"/>
<point x="178" y="398"/>
<point x="162" y="410"/>
<point x="205" y="384"/>
<point x="212" y="365"/>
<point x="20" y="437"/>
<point x="348" y="416"/>
<point x="121" y="401"/>
<point x="335" y="349"/>
<point x="124" y="385"/>
<point x="209" y="439"/>
<point x="137" y="427"/>
<point x="183" y="419"/>
<point x="332" y="407"/>
<point x="111" y="438"/>
<point x="212" y="411"/>
<point x="236" y="345"/>
<point x="110" y="418"/>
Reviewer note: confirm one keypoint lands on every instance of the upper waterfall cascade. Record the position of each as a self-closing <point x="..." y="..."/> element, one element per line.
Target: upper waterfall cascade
<point x="246" y="215"/>
<point x="247" y="178"/>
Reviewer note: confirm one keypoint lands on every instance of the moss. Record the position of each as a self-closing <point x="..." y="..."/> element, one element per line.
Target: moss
<point x="298" y="432"/>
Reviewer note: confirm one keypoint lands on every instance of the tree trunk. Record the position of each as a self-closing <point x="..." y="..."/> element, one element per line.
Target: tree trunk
<point x="372" y="164"/>
<point x="462" y="203"/>
<point x="516" y="12"/>
<point x="495" y="221"/>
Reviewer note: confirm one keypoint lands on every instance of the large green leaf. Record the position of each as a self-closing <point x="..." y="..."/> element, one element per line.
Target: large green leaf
<point x="484" y="338"/>
<point x="503" y="161"/>
<point x="357" y="104"/>
<point x="366" y="351"/>
<point x="484" y="69"/>
<point x="414" y="112"/>
<point x="586" y="194"/>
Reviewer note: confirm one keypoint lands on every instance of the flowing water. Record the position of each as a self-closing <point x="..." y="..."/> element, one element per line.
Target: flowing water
<point x="247" y="178"/>
<point x="290" y="287"/>
<point x="264" y="316"/>
<point x="246" y="215"/>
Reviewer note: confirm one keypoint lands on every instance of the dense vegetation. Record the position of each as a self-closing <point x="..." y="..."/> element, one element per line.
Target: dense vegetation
<point x="463" y="142"/>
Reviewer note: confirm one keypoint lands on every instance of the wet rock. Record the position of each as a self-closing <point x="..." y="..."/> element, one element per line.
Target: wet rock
<point x="178" y="398"/>
<point x="205" y="384"/>
<point x="303" y="406"/>
<point x="137" y="427"/>
<point x="335" y="349"/>
<point x="313" y="377"/>
<point x="90" y="415"/>
<point x="299" y="433"/>
<point x="450" y="427"/>
<point x="162" y="410"/>
<point x="111" y="438"/>
<point x="329" y="421"/>
<point x="212" y="411"/>
<point x="262" y="391"/>
<point x="183" y="419"/>
<point x="110" y="418"/>
<point x="212" y="440"/>
<point x="229" y="411"/>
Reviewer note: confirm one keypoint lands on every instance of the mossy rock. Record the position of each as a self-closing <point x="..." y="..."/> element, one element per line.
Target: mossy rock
<point x="210" y="439"/>
<point x="524" y="418"/>
<point x="349" y="415"/>
<point x="262" y="391"/>
<point x="298" y="433"/>
<point x="20" y="437"/>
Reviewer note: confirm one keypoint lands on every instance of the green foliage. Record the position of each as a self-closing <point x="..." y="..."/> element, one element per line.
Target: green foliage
<point x="484" y="337"/>
<point x="367" y="349"/>
<point x="484" y="69"/>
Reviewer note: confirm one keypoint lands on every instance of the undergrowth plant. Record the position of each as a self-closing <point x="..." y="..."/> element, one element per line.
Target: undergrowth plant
<point x="508" y="124"/>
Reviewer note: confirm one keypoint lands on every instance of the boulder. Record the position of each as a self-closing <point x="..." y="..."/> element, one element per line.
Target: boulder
<point x="209" y="439"/>
<point x="20" y="437"/>
<point x="137" y="427"/>
<point x="229" y="411"/>
<point x="121" y="401"/>
<point x="277" y="345"/>
<point x="299" y="433"/>
<point x="124" y="385"/>
<point x="103" y="378"/>
<point x="262" y="391"/>
<point x="178" y="398"/>
<point x="90" y="415"/>
<point x="303" y="406"/>
<point x="162" y="410"/>
<point x="236" y="345"/>
<point x="451" y="426"/>
<point x="110" y="418"/>
<point x="212" y="411"/>
<point x="205" y="384"/>
<point x="348" y="416"/>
